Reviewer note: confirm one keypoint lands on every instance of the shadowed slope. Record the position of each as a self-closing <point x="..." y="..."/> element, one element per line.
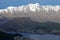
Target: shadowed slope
<point x="25" y="24"/>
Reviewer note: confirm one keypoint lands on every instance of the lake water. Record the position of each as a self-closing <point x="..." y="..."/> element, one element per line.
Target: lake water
<point x="41" y="36"/>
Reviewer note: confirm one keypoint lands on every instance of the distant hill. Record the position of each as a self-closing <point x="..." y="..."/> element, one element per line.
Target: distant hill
<point x="25" y="24"/>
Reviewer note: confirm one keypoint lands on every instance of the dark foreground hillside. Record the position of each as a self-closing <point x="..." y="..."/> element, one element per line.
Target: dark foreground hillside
<point x="27" y="25"/>
<point x="9" y="36"/>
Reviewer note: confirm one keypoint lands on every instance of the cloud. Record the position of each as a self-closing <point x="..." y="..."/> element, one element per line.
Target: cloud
<point x="36" y="12"/>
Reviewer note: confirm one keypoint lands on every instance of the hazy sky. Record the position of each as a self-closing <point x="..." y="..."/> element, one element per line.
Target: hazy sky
<point x="6" y="3"/>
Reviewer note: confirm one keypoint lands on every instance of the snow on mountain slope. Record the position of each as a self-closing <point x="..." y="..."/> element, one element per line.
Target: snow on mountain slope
<point x="36" y="12"/>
